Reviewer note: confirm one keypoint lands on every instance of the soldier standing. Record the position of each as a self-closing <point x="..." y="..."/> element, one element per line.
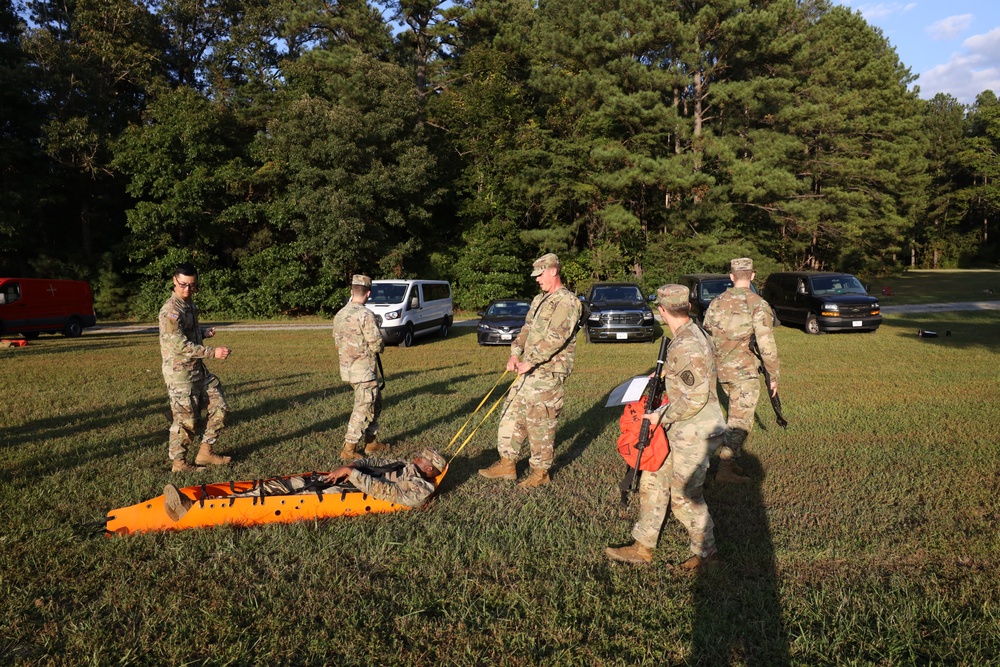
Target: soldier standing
<point x="694" y="419"/>
<point x="542" y="355"/>
<point x="732" y="319"/>
<point x="189" y="384"/>
<point x="358" y="342"/>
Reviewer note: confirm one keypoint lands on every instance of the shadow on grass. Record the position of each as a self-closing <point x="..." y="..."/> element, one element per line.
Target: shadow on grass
<point x="69" y="425"/>
<point x="952" y="331"/>
<point x="737" y="608"/>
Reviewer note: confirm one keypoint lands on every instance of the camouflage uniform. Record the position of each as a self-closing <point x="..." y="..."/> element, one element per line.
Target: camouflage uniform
<point x="731" y="319"/>
<point x="547" y="342"/>
<point x="695" y="419"/>
<point x="405" y="487"/>
<point x="358" y="341"/>
<point x="189" y="384"/>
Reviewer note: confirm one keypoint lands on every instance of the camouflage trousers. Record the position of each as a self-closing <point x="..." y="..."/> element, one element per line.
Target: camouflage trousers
<point x="531" y="413"/>
<point x="743" y="396"/>
<point x="367" y="408"/>
<point x="186" y="402"/>
<point x="678" y="485"/>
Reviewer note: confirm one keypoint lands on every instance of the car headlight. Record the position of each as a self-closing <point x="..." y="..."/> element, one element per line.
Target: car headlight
<point x="647" y="315"/>
<point x="484" y="327"/>
<point x="594" y="317"/>
<point x="392" y="315"/>
<point x="831" y="306"/>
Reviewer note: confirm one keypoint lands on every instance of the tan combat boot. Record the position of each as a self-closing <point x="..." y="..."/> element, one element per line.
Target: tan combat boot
<point x="373" y="446"/>
<point x="502" y="469"/>
<point x="206" y="457"/>
<point x="632" y="553"/>
<point x="180" y="465"/>
<point x="537" y="477"/>
<point x="698" y="562"/>
<point x="348" y="454"/>
<point x="727" y="475"/>
<point x="175" y="502"/>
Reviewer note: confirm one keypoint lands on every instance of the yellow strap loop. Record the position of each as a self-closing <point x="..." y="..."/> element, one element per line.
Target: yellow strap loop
<point x="473" y="414"/>
<point x="495" y="404"/>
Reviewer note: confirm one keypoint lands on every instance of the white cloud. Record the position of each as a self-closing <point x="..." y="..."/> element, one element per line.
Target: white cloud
<point x="949" y="28"/>
<point x="967" y="73"/>
<point x="884" y="9"/>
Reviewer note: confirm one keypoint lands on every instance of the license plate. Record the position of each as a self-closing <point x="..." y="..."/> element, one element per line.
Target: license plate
<point x="621" y="336"/>
<point x="856" y="323"/>
<point x="506" y="336"/>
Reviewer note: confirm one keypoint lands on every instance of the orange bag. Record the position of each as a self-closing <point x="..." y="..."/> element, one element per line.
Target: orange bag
<point x="655" y="452"/>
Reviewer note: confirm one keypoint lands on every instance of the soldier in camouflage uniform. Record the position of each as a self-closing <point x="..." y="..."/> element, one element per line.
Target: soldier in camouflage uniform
<point x="543" y="356"/>
<point x="694" y="421"/>
<point x="358" y="342"/>
<point x="189" y="384"/>
<point x="409" y="484"/>
<point x="731" y="319"/>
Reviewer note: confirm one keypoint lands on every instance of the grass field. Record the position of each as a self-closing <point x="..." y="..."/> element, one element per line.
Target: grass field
<point x="868" y="536"/>
<point x="940" y="286"/>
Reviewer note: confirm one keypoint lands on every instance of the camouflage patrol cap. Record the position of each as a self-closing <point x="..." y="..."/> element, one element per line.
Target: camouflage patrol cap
<point x="434" y="459"/>
<point x="672" y="296"/>
<point x="360" y="279"/>
<point x="546" y="261"/>
<point x="741" y="264"/>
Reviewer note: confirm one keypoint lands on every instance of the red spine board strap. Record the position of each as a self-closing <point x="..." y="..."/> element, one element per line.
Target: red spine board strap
<point x="655" y="453"/>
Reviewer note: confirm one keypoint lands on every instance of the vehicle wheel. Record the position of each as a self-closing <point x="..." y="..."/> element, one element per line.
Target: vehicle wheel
<point x="812" y="325"/>
<point x="31" y="336"/>
<point x="444" y="330"/>
<point x="407" y="337"/>
<point x="73" y="328"/>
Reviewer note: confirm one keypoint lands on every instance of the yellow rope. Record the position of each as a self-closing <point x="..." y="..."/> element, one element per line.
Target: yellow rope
<point x="495" y="404"/>
<point x="473" y="414"/>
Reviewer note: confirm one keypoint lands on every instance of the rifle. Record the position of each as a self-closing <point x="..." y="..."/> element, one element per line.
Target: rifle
<point x="775" y="399"/>
<point x="381" y="373"/>
<point x="653" y="394"/>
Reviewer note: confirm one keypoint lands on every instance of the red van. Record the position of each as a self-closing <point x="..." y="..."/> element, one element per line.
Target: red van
<point x="31" y="306"/>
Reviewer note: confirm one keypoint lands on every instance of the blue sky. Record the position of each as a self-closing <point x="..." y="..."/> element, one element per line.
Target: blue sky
<point x="953" y="45"/>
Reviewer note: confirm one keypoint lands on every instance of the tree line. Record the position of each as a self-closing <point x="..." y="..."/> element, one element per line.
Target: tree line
<point x="283" y="145"/>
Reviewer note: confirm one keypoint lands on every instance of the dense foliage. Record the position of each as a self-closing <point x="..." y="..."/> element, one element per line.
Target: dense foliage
<point x="285" y="145"/>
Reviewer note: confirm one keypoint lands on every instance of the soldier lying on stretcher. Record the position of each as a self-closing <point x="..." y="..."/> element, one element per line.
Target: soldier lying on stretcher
<point x="398" y="482"/>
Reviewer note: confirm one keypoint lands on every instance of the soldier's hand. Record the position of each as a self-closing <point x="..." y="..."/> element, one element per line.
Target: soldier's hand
<point x="523" y="367"/>
<point x="338" y="475"/>
<point x="222" y="352"/>
<point x="653" y="418"/>
<point x="209" y="332"/>
<point x="774" y="387"/>
<point x="512" y="363"/>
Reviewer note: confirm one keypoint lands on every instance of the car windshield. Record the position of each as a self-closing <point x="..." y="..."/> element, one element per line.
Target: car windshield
<point x="713" y="288"/>
<point x="827" y="285"/>
<point x="385" y="293"/>
<point x="617" y="293"/>
<point x="509" y="309"/>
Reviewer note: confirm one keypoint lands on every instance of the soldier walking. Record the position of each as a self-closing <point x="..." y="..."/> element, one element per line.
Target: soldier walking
<point x="542" y="355"/>
<point x="694" y="421"/>
<point x="732" y="319"/>
<point x="358" y="342"/>
<point x="189" y="384"/>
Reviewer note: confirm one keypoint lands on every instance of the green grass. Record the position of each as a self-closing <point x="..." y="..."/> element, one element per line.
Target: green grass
<point x="868" y="537"/>
<point x="940" y="286"/>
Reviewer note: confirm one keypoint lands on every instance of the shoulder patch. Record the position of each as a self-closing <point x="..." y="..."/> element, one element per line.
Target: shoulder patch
<point x="688" y="378"/>
<point x="173" y="316"/>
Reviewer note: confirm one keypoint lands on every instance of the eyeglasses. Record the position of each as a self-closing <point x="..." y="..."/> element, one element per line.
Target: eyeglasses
<point x="190" y="286"/>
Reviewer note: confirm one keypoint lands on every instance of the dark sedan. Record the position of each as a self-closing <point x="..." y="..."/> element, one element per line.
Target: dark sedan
<point x="500" y="323"/>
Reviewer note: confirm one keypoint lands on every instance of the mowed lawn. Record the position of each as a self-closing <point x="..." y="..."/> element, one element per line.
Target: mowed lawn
<point x="868" y="535"/>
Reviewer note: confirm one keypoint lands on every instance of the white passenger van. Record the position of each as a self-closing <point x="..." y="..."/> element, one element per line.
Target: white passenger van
<point x="409" y="308"/>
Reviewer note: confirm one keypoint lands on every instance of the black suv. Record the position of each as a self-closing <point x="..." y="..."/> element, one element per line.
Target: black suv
<point x="704" y="287"/>
<point x="820" y="301"/>
<point x="617" y="312"/>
